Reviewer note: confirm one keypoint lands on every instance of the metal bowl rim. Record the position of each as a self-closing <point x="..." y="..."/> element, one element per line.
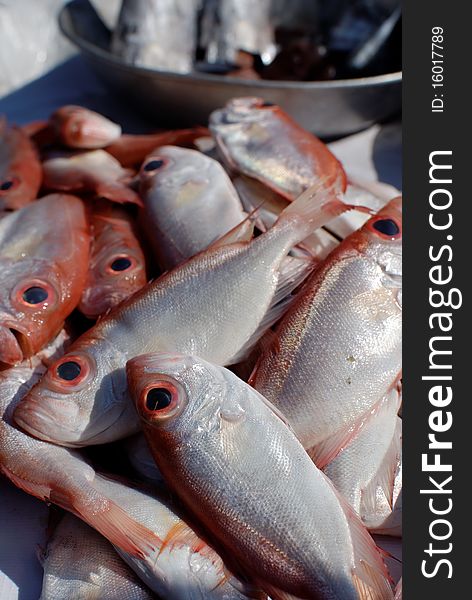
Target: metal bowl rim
<point x="89" y="47"/>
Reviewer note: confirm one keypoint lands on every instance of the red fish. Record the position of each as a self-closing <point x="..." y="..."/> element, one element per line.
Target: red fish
<point x="43" y="265"/>
<point x="20" y="169"/>
<point x="259" y="139"/>
<point x="79" y="127"/>
<point x="131" y="150"/>
<point x="117" y="265"/>
<point x="96" y="172"/>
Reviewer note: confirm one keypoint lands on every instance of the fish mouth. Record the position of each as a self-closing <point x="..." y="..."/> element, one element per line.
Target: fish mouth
<point x="14" y="346"/>
<point x="31" y="416"/>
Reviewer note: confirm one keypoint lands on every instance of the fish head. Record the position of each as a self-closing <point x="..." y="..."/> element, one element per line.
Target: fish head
<point x="246" y="109"/>
<point x="171" y="167"/>
<point x="20" y="169"/>
<point x="43" y="264"/>
<point x="180" y="396"/>
<point x="117" y="269"/>
<point x="113" y="277"/>
<point x="79" y="127"/>
<point x="13" y="189"/>
<point x="81" y="400"/>
<point x="380" y="239"/>
<point x="31" y="292"/>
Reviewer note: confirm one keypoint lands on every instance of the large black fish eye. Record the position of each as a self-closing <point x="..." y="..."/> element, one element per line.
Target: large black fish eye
<point x="386" y="226"/>
<point x="153" y="165"/>
<point x="121" y="264"/>
<point x="35" y="295"/>
<point x="267" y="104"/>
<point x="69" y="370"/>
<point x="6" y="185"/>
<point x="158" y="398"/>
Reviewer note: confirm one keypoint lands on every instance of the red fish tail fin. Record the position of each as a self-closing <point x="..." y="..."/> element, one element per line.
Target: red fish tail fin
<point x="314" y="208"/>
<point x="111" y="521"/>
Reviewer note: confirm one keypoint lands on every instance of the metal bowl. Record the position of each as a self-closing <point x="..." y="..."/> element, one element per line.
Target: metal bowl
<point x="327" y="108"/>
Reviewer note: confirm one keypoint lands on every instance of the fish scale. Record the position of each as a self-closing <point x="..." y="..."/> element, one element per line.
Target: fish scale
<point x="211" y="305"/>
<point x="247" y="479"/>
<point x="338" y="349"/>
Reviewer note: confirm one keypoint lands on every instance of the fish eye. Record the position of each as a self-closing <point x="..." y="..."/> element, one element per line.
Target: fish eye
<point x="8" y="184"/>
<point x="158" y="398"/>
<point x="163" y="400"/>
<point x="69" y="370"/>
<point x="122" y="263"/>
<point x="154" y="165"/>
<point x="387" y="228"/>
<point x="267" y="104"/>
<point x="35" y="295"/>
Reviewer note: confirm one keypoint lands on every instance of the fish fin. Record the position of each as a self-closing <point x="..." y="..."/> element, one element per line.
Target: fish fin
<point x="292" y="273"/>
<point x="399" y="590"/>
<point x="118" y="193"/>
<point x="370" y="575"/>
<point x="319" y="244"/>
<point x="180" y="535"/>
<point x="112" y="522"/>
<point x="278" y="594"/>
<point x="327" y="450"/>
<point x="385" y="476"/>
<point x="33" y="489"/>
<point x="242" y="232"/>
<point x="254" y="194"/>
<point x="315" y="207"/>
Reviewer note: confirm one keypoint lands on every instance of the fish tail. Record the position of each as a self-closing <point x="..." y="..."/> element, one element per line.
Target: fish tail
<point x="111" y="521"/>
<point x="370" y="576"/>
<point x="118" y="192"/>
<point x="315" y="207"/>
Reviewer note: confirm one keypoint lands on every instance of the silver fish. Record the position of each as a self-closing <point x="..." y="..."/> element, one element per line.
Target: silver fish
<point x="217" y="304"/>
<point x="243" y="474"/>
<point x="80" y="564"/>
<point x="182" y="566"/>
<point x="56" y="474"/>
<point x="232" y="25"/>
<point x="337" y="351"/>
<point x="189" y="202"/>
<point x="160" y="34"/>
<point x="366" y="468"/>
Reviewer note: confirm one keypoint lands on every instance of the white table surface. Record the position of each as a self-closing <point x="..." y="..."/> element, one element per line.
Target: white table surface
<point x="374" y="154"/>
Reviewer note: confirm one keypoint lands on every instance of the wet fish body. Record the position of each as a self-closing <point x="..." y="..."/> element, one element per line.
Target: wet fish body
<point x="56" y="474"/>
<point x="367" y="467"/>
<point x="189" y="202"/>
<point x="79" y="563"/>
<point x="95" y="172"/>
<point x="209" y="305"/>
<point x="244" y="475"/>
<point x="44" y="251"/>
<point x="258" y="139"/>
<point x="182" y="566"/>
<point x="131" y="150"/>
<point x="338" y="349"/>
<point x="20" y="169"/>
<point x="117" y="266"/>
<point x="79" y="127"/>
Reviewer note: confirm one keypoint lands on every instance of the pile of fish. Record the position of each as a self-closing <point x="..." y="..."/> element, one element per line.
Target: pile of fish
<point x="181" y="302"/>
<point x="268" y="39"/>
